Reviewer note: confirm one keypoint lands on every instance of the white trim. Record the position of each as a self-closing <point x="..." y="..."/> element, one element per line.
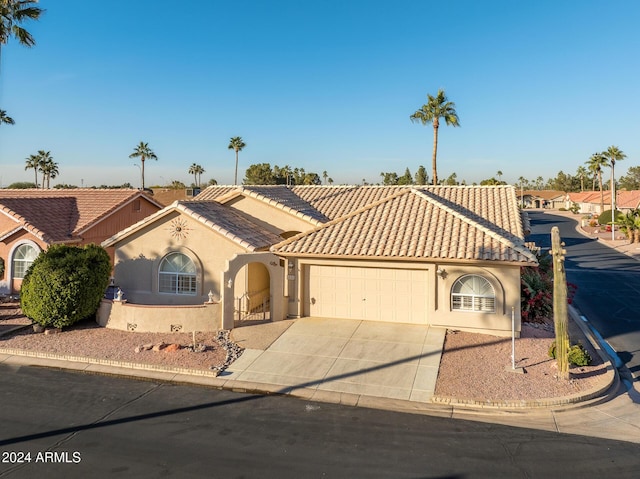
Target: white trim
<point x="9" y="267"/>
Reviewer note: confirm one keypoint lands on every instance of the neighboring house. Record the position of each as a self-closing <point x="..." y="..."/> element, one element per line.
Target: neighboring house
<point x="542" y="198"/>
<point x="590" y="201"/>
<point x="165" y="196"/>
<point x="447" y="256"/>
<point x="32" y="219"/>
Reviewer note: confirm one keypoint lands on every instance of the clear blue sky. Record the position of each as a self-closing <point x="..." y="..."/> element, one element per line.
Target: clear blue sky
<point x="325" y="85"/>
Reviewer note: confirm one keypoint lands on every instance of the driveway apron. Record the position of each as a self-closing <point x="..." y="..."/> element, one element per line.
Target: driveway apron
<point x="398" y="361"/>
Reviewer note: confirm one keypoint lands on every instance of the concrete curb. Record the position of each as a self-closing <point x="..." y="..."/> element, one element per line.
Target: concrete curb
<point x="440" y="406"/>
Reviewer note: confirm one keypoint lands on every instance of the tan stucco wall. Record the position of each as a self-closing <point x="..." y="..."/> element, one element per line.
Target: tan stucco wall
<point x="272" y="219"/>
<point x="159" y="319"/>
<point x="504" y="278"/>
<point x="137" y="259"/>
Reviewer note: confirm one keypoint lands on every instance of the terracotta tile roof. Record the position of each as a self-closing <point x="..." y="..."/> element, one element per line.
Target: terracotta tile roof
<point x="217" y="217"/>
<point x="414" y="224"/>
<point x="544" y="194"/>
<point x="624" y="199"/>
<point x="62" y="215"/>
<point x="279" y="197"/>
<point x="215" y="191"/>
<point x="495" y="204"/>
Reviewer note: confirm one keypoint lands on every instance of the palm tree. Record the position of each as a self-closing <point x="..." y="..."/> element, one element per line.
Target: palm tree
<point x="33" y="162"/>
<point x="581" y="172"/>
<point x="436" y="107"/>
<point x="12" y="14"/>
<point x="4" y="118"/>
<point x="196" y="171"/>
<point x="237" y="145"/>
<point x="499" y="175"/>
<point x="330" y="181"/>
<point x="47" y="167"/>
<point x="613" y="154"/>
<point x="325" y="175"/>
<point x="143" y="152"/>
<point x="595" y="164"/>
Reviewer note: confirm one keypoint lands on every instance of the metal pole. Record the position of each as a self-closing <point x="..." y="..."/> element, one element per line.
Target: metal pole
<point x="613" y="202"/>
<point x="513" y="338"/>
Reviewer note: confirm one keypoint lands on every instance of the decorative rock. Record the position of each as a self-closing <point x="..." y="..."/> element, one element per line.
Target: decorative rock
<point x="159" y="347"/>
<point x="233" y="351"/>
<point x="38" y="328"/>
<point x="53" y="331"/>
<point x="171" y="348"/>
<point x="144" y="347"/>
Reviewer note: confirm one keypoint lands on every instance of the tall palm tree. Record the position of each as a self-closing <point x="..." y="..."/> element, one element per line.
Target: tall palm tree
<point x="595" y="164"/>
<point x="196" y="171"/>
<point x="47" y="167"/>
<point x="143" y="152"/>
<point x="4" y="118"/>
<point x="499" y="175"/>
<point x="237" y="145"/>
<point x="13" y="13"/>
<point x="431" y="112"/>
<point x="581" y="172"/>
<point x="33" y="162"/>
<point x="613" y="154"/>
<point x="325" y="175"/>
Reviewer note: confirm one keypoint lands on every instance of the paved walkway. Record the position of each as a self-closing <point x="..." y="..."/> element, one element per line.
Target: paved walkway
<point x="397" y="361"/>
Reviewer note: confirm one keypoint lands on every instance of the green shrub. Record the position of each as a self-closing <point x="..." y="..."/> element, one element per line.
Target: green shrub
<point x="65" y="284"/>
<point x="604" y="218"/>
<point x="578" y="355"/>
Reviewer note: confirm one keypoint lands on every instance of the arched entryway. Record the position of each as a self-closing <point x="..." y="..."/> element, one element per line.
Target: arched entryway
<point x="252" y="282"/>
<point x="252" y="294"/>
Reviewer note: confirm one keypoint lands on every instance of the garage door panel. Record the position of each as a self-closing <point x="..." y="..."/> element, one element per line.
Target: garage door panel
<point x="376" y="294"/>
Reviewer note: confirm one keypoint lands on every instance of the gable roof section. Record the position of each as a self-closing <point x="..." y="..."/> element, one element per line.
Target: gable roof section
<point x="497" y="204"/>
<point x="215" y="216"/>
<point x="410" y="225"/>
<point x="62" y="215"/>
<point x="279" y="197"/>
<point x="628" y="199"/>
<point x="48" y="219"/>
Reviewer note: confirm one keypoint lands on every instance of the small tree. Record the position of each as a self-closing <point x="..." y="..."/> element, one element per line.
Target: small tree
<point x="65" y="284"/>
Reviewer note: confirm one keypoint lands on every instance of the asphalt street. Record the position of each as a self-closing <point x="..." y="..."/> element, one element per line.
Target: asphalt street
<point x="608" y="283"/>
<point x="80" y="425"/>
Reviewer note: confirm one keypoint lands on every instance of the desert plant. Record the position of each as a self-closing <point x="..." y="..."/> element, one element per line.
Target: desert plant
<point x="65" y="284"/>
<point x="536" y="285"/>
<point x="578" y="355"/>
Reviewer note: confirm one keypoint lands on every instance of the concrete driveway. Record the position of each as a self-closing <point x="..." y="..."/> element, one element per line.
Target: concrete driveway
<point x="398" y="361"/>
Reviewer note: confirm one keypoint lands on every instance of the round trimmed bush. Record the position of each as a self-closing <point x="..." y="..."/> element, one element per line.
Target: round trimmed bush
<point x="65" y="284"/>
<point x="604" y="218"/>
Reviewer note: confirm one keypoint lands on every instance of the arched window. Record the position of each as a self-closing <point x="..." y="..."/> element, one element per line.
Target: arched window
<point x="473" y="293"/>
<point x="177" y="275"/>
<point x="23" y="256"/>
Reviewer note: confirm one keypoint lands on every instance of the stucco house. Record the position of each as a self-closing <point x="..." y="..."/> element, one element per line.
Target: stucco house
<point x="33" y="219"/>
<point x="551" y="199"/>
<point x="591" y="201"/>
<point x="442" y="255"/>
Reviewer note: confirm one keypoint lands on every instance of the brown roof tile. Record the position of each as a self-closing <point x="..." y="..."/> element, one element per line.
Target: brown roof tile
<point x="217" y="217"/>
<point x="412" y="224"/>
<point x="62" y="215"/>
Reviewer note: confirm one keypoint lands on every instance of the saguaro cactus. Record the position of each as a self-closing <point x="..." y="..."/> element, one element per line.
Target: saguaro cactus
<point x="560" y="315"/>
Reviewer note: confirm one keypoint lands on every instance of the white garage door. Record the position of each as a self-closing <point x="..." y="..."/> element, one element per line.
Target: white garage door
<point x="376" y="294"/>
